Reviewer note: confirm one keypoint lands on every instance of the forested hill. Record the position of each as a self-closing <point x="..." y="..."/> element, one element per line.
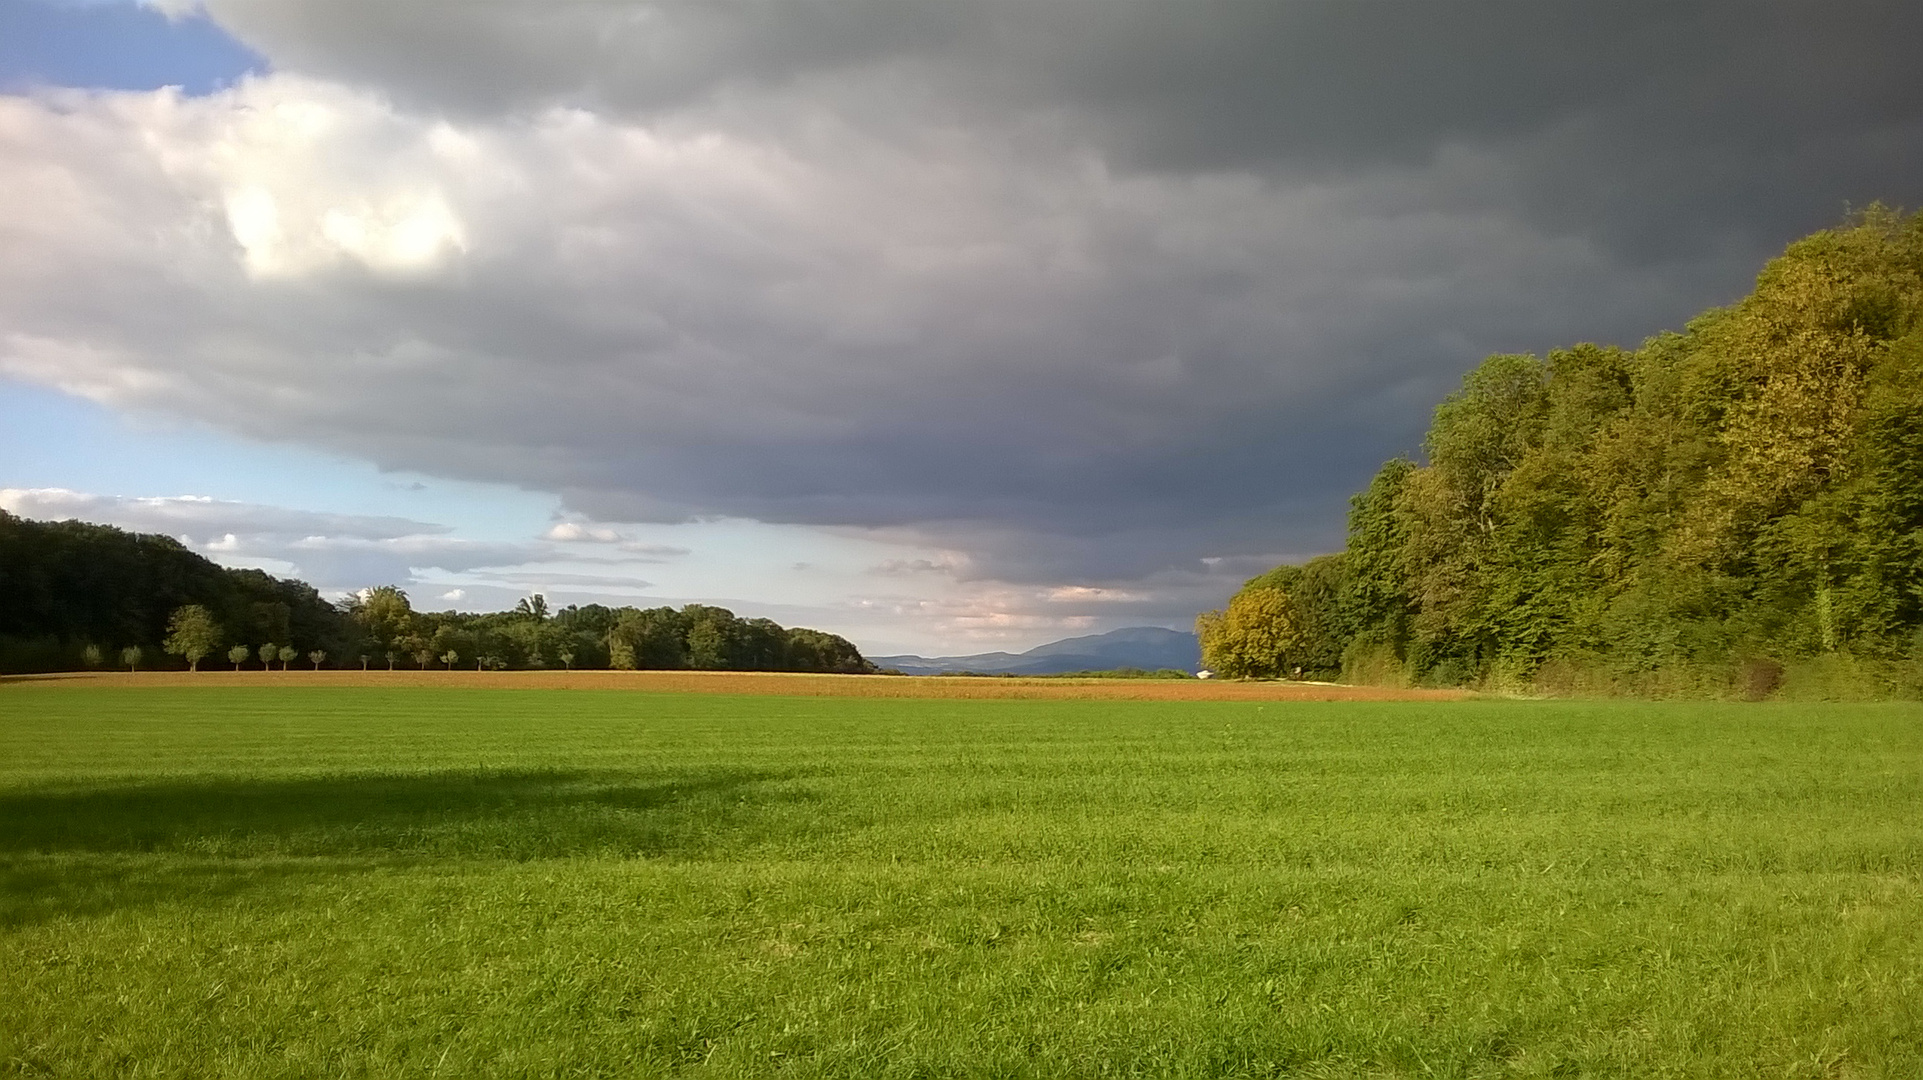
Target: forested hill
<point x="1702" y="514"/>
<point x="68" y="585"/>
<point x="77" y="595"/>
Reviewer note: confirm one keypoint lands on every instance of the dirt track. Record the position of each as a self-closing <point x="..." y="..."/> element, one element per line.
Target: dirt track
<point x="755" y="682"/>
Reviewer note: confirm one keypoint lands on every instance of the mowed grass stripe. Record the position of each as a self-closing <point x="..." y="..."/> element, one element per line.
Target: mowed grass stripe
<point x="296" y="882"/>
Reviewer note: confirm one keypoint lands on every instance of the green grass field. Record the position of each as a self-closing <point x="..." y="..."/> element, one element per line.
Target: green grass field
<point x="348" y="882"/>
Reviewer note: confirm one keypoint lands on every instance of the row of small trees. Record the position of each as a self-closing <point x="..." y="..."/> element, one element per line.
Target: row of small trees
<point x="529" y="636"/>
<point x="194" y="635"/>
<point x="130" y="656"/>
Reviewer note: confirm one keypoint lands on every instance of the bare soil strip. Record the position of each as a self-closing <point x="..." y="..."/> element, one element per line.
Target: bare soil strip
<point x="776" y="683"/>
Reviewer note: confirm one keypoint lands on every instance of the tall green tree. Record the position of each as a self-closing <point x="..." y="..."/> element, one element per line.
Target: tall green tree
<point x="193" y="634"/>
<point x="383" y="615"/>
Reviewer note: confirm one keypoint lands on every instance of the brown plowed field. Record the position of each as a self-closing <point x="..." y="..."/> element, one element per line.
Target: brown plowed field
<point x="758" y="682"/>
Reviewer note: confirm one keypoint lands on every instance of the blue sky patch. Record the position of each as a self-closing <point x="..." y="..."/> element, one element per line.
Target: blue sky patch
<point x="115" y="46"/>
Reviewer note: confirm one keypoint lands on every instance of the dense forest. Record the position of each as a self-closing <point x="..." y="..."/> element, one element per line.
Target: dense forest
<point x="1736" y="509"/>
<point x="83" y="595"/>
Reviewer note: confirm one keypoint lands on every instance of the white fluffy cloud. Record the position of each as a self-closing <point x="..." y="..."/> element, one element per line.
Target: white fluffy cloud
<point x="582" y="532"/>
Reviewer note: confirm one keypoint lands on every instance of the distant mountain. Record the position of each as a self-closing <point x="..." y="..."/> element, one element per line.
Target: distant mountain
<point x="1147" y="647"/>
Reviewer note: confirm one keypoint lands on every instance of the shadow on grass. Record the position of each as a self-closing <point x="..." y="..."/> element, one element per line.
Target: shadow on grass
<point x="75" y="850"/>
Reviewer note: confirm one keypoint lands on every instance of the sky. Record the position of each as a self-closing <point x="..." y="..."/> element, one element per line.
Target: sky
<point x="947" y="327"/>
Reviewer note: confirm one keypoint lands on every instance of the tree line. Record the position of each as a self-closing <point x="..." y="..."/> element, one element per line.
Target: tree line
<point x="695" y="637"/>
<point x="1714" y="512"/>
<point x="93" y="596"/>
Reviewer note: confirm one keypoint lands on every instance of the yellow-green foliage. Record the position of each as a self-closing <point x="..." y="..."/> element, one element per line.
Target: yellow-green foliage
<point x="1254" y="638"/>
<point x="1659" y="521"/>
<point x="192" y="634"/>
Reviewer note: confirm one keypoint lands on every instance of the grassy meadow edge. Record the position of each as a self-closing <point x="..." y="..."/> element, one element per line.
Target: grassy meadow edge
<point x="280" y="879"/>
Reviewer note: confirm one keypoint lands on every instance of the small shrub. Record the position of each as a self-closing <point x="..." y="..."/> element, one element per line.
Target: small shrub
<point x="1573" y="676"/>
<point x="1842" y="676"/>
<point x="1373" y="663"/>
<point x="1757" y="678"/>
<point x="1451" y="671"/>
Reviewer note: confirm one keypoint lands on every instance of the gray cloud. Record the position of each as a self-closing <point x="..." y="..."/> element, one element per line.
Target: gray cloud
<point x="348" y="563"/>
<point x="205" y="519"/>
<point x="644" y="552"/>
<point x="900" y="567"/>
<point x="539" y="579"/>
<point x="1734" y="108"/>
<point x="330" y="551"/>
<point x="1088" y="291"/>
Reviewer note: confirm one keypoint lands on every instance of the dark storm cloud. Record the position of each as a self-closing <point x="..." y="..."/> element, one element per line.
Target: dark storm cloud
<point x="1322" y="88"/>
<point x="1092" y="291"/>
<point x="1656" y="128"/>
